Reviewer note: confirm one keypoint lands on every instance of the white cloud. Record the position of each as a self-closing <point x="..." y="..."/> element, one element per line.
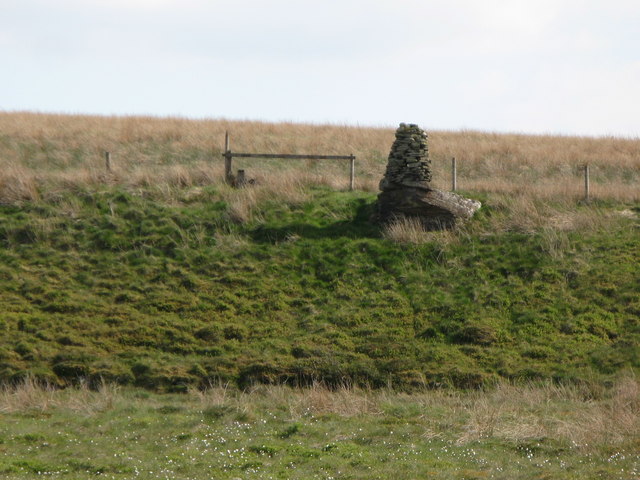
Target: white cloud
<point x="522" y="16"/>
<point x="549" y="65"/>
<point x="593" y="99"/>
<point x="144" y="5"/>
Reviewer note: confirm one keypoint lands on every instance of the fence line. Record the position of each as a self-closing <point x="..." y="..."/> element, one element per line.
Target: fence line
<point x="228" y="162"/>
<point x="240" y="178"/>
<point x="587" y="183"/>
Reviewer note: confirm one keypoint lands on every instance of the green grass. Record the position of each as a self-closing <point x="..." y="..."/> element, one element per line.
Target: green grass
<point x="280" y="433"/>
<point x="166" y="290"/>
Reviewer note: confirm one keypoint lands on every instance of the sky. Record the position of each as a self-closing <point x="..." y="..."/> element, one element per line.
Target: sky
<point x="564" y="67"/>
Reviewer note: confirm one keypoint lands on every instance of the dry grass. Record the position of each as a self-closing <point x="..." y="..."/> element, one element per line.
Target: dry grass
<point x="532" y="183"/>
<point x="406" y="230"/>
<point x="41" y="153"/>
<point x="17" y="184"/>
<point x="230" y="241"/>
<point x="410" y="231"/>
<point x="28" y="396"/>
<point x="315" y="400"/>
<point x="244" y="202"/>
<point x="345" y="401"/>
<point x="582" y="415"/>
<point x="520" y="413"/>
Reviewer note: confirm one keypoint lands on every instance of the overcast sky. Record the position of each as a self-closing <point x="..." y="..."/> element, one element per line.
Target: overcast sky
<point x="538" y="66"/>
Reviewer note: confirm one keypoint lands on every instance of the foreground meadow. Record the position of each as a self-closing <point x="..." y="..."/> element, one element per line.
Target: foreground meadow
<point x="540" y="431"/>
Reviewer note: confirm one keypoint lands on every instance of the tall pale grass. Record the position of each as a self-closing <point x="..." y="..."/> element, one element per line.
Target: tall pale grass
<point x="29" y="395"/>
<point x="521" y="413"/>
<point x="43" y="156"/>
<point x="18" y="184"/>
<point x="581" y="415"/>
<point x="410" y="231"/>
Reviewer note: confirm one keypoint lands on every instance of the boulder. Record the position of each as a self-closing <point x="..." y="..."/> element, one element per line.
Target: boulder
<point x="435" y="209"/>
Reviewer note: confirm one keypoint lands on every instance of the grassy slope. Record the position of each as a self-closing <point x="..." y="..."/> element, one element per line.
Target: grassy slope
<point x="140" y="290"/>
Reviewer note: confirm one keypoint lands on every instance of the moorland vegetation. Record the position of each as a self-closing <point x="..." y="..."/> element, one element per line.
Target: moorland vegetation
<point x="153" y="319"/>
<point x="160" y="275"/>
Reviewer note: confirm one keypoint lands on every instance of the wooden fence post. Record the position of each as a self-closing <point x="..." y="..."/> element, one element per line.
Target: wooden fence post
<point x="227" y="159"/>
<point x="454" y="175"/>
<point x="352" y="172"/>
<point x="107" y="161"/>
<point x="586" y="182"/>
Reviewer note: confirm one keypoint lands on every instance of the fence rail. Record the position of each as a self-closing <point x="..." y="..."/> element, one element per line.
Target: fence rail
<point x="292" y="156"/>
<point x="229" y="155"/>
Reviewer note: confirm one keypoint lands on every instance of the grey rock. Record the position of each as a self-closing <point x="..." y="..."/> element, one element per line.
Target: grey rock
<point x="435" y="209"/>
<point x="406" y="189"/>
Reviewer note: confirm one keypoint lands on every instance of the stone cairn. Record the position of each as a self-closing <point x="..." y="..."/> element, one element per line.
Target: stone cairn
<point x="409" y="159"/>
<point x="406" y="190"/>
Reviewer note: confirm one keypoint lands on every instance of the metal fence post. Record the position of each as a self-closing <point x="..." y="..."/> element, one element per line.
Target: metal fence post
<point x="352" y="172"/>
<point x="454" y="175"/>
<point x="586" y="182"/>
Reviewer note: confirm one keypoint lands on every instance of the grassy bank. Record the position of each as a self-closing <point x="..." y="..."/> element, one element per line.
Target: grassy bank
<point x="168" y="289"/>
<point x="507" y="432"/>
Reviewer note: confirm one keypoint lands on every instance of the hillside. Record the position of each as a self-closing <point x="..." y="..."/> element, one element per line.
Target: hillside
<point x="159" y="275"/>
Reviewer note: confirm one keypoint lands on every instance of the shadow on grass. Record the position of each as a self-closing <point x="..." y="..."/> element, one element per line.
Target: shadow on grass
<point x="361" y="225"/>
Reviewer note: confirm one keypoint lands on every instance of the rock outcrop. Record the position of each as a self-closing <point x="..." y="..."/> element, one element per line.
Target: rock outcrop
<point x="406" y="186"/>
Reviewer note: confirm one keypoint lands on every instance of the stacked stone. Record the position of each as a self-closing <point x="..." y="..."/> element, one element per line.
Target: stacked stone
<point x="406" y="190"/>
<point x="408" y="162"/>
